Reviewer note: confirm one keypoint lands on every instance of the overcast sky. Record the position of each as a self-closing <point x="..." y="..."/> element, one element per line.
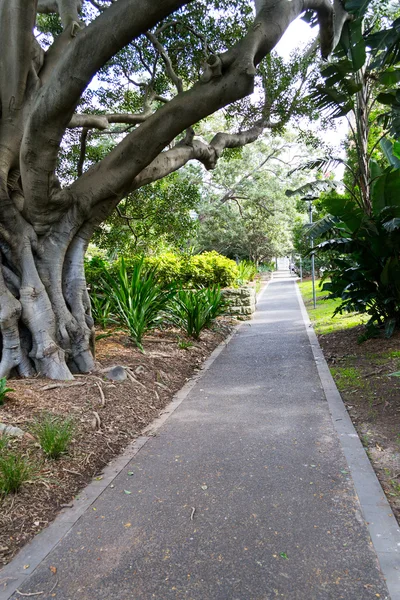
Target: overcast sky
<point x="298" y="35"/>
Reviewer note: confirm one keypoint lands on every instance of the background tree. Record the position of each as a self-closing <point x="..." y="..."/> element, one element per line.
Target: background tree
<point x="245" y="213"/>
<point x="178" y="76"/>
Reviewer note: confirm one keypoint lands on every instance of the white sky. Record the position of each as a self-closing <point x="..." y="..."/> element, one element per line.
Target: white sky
<point x="298" y="35"/>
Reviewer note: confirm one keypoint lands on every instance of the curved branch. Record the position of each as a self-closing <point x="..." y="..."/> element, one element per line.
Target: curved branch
<point x="103" y="121"/>
<point x="208" y="154"/>
<point x="167" y="61"/>
<point x="57" y="99"/>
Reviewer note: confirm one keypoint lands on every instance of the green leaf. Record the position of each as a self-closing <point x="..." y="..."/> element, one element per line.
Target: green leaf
<point x="386" y="98"/>
<point x="396" y="374"/>
<point x="127" y="492"/>
<point x="396" y="149"/>
<point x="358" y="7"/>
<point x="387" y="148"/>
<point x="389" y="77"/>
<point x="322" y="226"/>
<point x="320" y="185"/>
<point x="390" y="327"/>
<point x="283" y="555"/>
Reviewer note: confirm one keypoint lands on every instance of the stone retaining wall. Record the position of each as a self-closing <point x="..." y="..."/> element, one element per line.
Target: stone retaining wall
<point x="241" y="301"/>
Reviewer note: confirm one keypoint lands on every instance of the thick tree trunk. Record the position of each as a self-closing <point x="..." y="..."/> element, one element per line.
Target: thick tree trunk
<point x="45" y="320"/>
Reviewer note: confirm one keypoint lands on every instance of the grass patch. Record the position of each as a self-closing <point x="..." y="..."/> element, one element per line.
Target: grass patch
<point x="54" y="434"/>
<point x="15" y="470"/>
<point x="321" y="317"/>
<point x="347" y="377"/>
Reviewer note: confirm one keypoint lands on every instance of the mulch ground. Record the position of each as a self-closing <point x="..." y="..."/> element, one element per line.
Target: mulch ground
<point x="372" y="397"/>
<point x="107" y="415"/>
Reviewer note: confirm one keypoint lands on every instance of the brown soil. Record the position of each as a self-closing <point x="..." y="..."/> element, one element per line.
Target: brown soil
<point x="372" y="398"/>
<point x="128" y="407"/>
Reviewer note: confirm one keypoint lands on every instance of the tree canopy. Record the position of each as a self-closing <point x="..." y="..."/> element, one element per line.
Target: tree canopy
<point x="177" y="61"/>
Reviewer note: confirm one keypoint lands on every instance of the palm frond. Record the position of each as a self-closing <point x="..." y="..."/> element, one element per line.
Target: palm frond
<point x="322" y="226"/>
<point x="312" y="187"/>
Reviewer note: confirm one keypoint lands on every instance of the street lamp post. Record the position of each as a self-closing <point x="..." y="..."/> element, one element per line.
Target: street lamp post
<point x="312" y="257"/>
<point x="309" y="199"/>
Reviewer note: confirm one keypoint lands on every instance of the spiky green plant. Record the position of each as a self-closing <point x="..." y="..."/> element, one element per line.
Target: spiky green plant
<point x="247" y="270"/>
<point x="4" y="389"/>
<point x="54" y="434"/>
<point x="15" y="470"/>
<point x="194" y="310"/>
<point x="139" y="299"/>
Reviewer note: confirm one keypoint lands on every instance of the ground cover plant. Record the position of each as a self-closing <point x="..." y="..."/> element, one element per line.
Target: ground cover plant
<point x="362" y="374"/>
<point x="15" y="470"/>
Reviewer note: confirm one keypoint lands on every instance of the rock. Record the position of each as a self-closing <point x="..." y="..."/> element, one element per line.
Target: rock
<point x="9" y="430"/>
<point x="116" y="374"/>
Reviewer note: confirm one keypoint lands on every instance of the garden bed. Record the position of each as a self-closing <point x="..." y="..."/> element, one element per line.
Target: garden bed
<point x="103" y="427"/>
<point x="362" y="374"/>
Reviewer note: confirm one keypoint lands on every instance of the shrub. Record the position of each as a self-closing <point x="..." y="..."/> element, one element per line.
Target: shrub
<point x="54" y="434"/>
<point x="15" y="470"/>
<point x="167" y="267"/>
<point x="4" y="389"/>
<point x="193" y="310"/>
<point x="211" y="268"/>
<point x="139" y="299"/>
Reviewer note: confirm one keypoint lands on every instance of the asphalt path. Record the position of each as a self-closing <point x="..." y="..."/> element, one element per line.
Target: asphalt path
<point x="244" y="493"/>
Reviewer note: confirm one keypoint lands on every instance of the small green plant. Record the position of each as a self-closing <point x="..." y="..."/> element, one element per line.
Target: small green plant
<point x="102" y="308"/>
<point x="4" y="389"/>
<point x="15" y="470"/>
<point x="54" y="434"/>
<point x="139" y="299"/>
<point x="4" y="441"/>
<point x="194" y="310"/>
<point x="247" y="270"/>
<point x="185" y="344"/>
<point x="216" y="301"/>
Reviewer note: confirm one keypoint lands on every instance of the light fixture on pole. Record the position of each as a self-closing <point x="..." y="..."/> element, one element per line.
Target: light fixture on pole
<point x="310" y="199"/>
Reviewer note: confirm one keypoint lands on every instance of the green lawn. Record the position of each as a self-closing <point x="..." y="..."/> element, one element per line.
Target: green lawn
<point x="321" y="317"/>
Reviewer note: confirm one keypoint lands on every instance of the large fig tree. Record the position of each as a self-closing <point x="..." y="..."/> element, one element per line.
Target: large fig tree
<point x="46" y="220"/>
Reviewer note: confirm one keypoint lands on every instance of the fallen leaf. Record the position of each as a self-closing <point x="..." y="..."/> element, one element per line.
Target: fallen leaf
<point x="127" y="492"/>
<point x="26" y="566"/>
<point x="130" y="472"/>
<point x="128" y="525"/>
<point x="283" y="555"/>
<point x="53" y="570"/>
<point x="204" y="487"/>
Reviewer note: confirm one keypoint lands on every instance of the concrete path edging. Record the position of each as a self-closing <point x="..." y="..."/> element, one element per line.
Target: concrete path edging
<point x="381" y="522"/>
<point x="21" y="567"/>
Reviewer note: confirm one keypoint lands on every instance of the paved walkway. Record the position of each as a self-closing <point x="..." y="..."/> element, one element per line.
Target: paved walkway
<point x="244" y="494"/>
